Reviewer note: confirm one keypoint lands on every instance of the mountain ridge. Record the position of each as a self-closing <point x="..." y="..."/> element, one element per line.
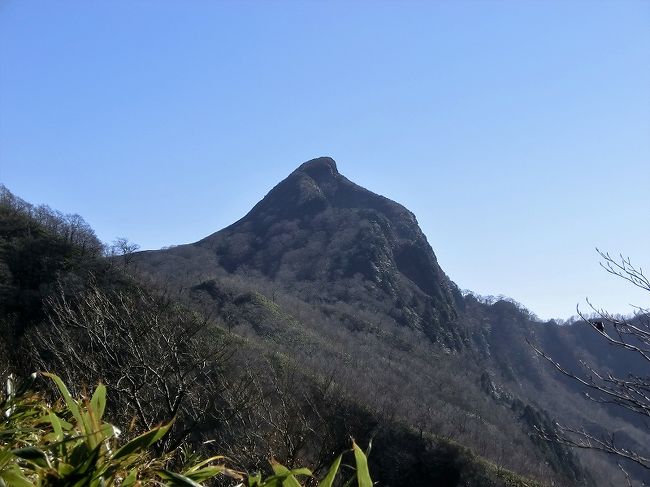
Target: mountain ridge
<point x="474" y="379"/>
<point x="346" y="281"/>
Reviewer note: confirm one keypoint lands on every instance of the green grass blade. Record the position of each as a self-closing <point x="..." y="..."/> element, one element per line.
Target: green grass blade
<point x="255" y="480"/>
<point x="5" y="458"/>
<point x="71" y="403"/>
<point x="176" y="479"/>
<point x="288" y="480"/>
<point x="331" y="474"/>
<point x="56" y="426"/>
<point x="15" y="478"/>
<point x="363" y="474"/>
<point x="301" y="471"/>
<point x="131" y="478"/>
<point x="194" y="468"/>
<point x="33" y="455"/>
<point x="98" y="401"/>
<point x="142" y="442"/>
<point x="206" y="473"/>
<point x="279" y="469"/>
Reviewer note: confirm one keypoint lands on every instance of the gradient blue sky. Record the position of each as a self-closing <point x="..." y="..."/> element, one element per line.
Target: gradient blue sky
<point x="517" y="132"/>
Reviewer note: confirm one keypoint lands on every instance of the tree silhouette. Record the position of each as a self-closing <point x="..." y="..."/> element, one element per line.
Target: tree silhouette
<point x="631" y="391"/>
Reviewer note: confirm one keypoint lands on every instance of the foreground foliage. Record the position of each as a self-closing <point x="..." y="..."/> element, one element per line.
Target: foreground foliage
<point x="68" y="443"/>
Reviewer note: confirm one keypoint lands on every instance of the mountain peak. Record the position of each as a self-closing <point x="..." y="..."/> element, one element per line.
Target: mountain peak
<point x="320" y="173"/>
<point x="318" y="228"/>
<point x="319" y="166"/>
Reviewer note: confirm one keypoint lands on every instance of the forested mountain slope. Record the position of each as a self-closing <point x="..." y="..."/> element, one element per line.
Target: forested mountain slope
<point x="329" y="241"/>
<point x="345" y="281"/>
<point x="321" y="314"/>
<point x="71" y="307"/>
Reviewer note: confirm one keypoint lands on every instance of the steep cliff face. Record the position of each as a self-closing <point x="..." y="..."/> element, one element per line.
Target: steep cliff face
<point x="317" y="229"/>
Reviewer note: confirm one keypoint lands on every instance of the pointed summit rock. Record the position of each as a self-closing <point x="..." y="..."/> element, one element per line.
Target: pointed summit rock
<point x="327" y="239"/>
<point x="306" y="190"/>
<point x="320" y="168"/>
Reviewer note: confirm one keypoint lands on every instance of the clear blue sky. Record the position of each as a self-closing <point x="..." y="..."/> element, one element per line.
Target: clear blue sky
<point x="517" y="132"/>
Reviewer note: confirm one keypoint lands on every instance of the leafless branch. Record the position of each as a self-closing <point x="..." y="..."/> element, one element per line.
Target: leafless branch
<point x="631" y="392"/>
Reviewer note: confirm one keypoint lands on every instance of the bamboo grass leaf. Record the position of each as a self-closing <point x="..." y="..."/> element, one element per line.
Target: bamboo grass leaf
<point x="255" y="480"/>
<point x="279" y="469"/>
<point x="301" y="471"/>
<point x="363" y="474"/>
<point x="176" y="479"/>
<point x="331" y="474"/>
<point x="15" y="478"/>
<point x="56" y="426"/>
<point x="5" y="458"/>
<point x="33" y="455"/>
<point x="284" y="475"/>
<point x="142" y="442"/>
<point x="204" y="462"/>
<point x="131" y="478"/>
<point x="69" y="401"/>
<point x="209" y="472"/>
<point x="98" y="401"/>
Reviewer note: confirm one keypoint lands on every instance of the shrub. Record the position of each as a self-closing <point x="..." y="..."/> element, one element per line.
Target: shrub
<point x="68" y="443"/>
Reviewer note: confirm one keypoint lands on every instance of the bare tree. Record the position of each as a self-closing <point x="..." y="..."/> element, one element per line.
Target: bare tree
<point x="122" y="246"/>
<point x="631" y="391"/>
<point x="160" y="360"/>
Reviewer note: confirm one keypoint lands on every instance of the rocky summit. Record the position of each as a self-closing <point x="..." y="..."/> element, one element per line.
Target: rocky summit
<point x="318" y="228"/>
